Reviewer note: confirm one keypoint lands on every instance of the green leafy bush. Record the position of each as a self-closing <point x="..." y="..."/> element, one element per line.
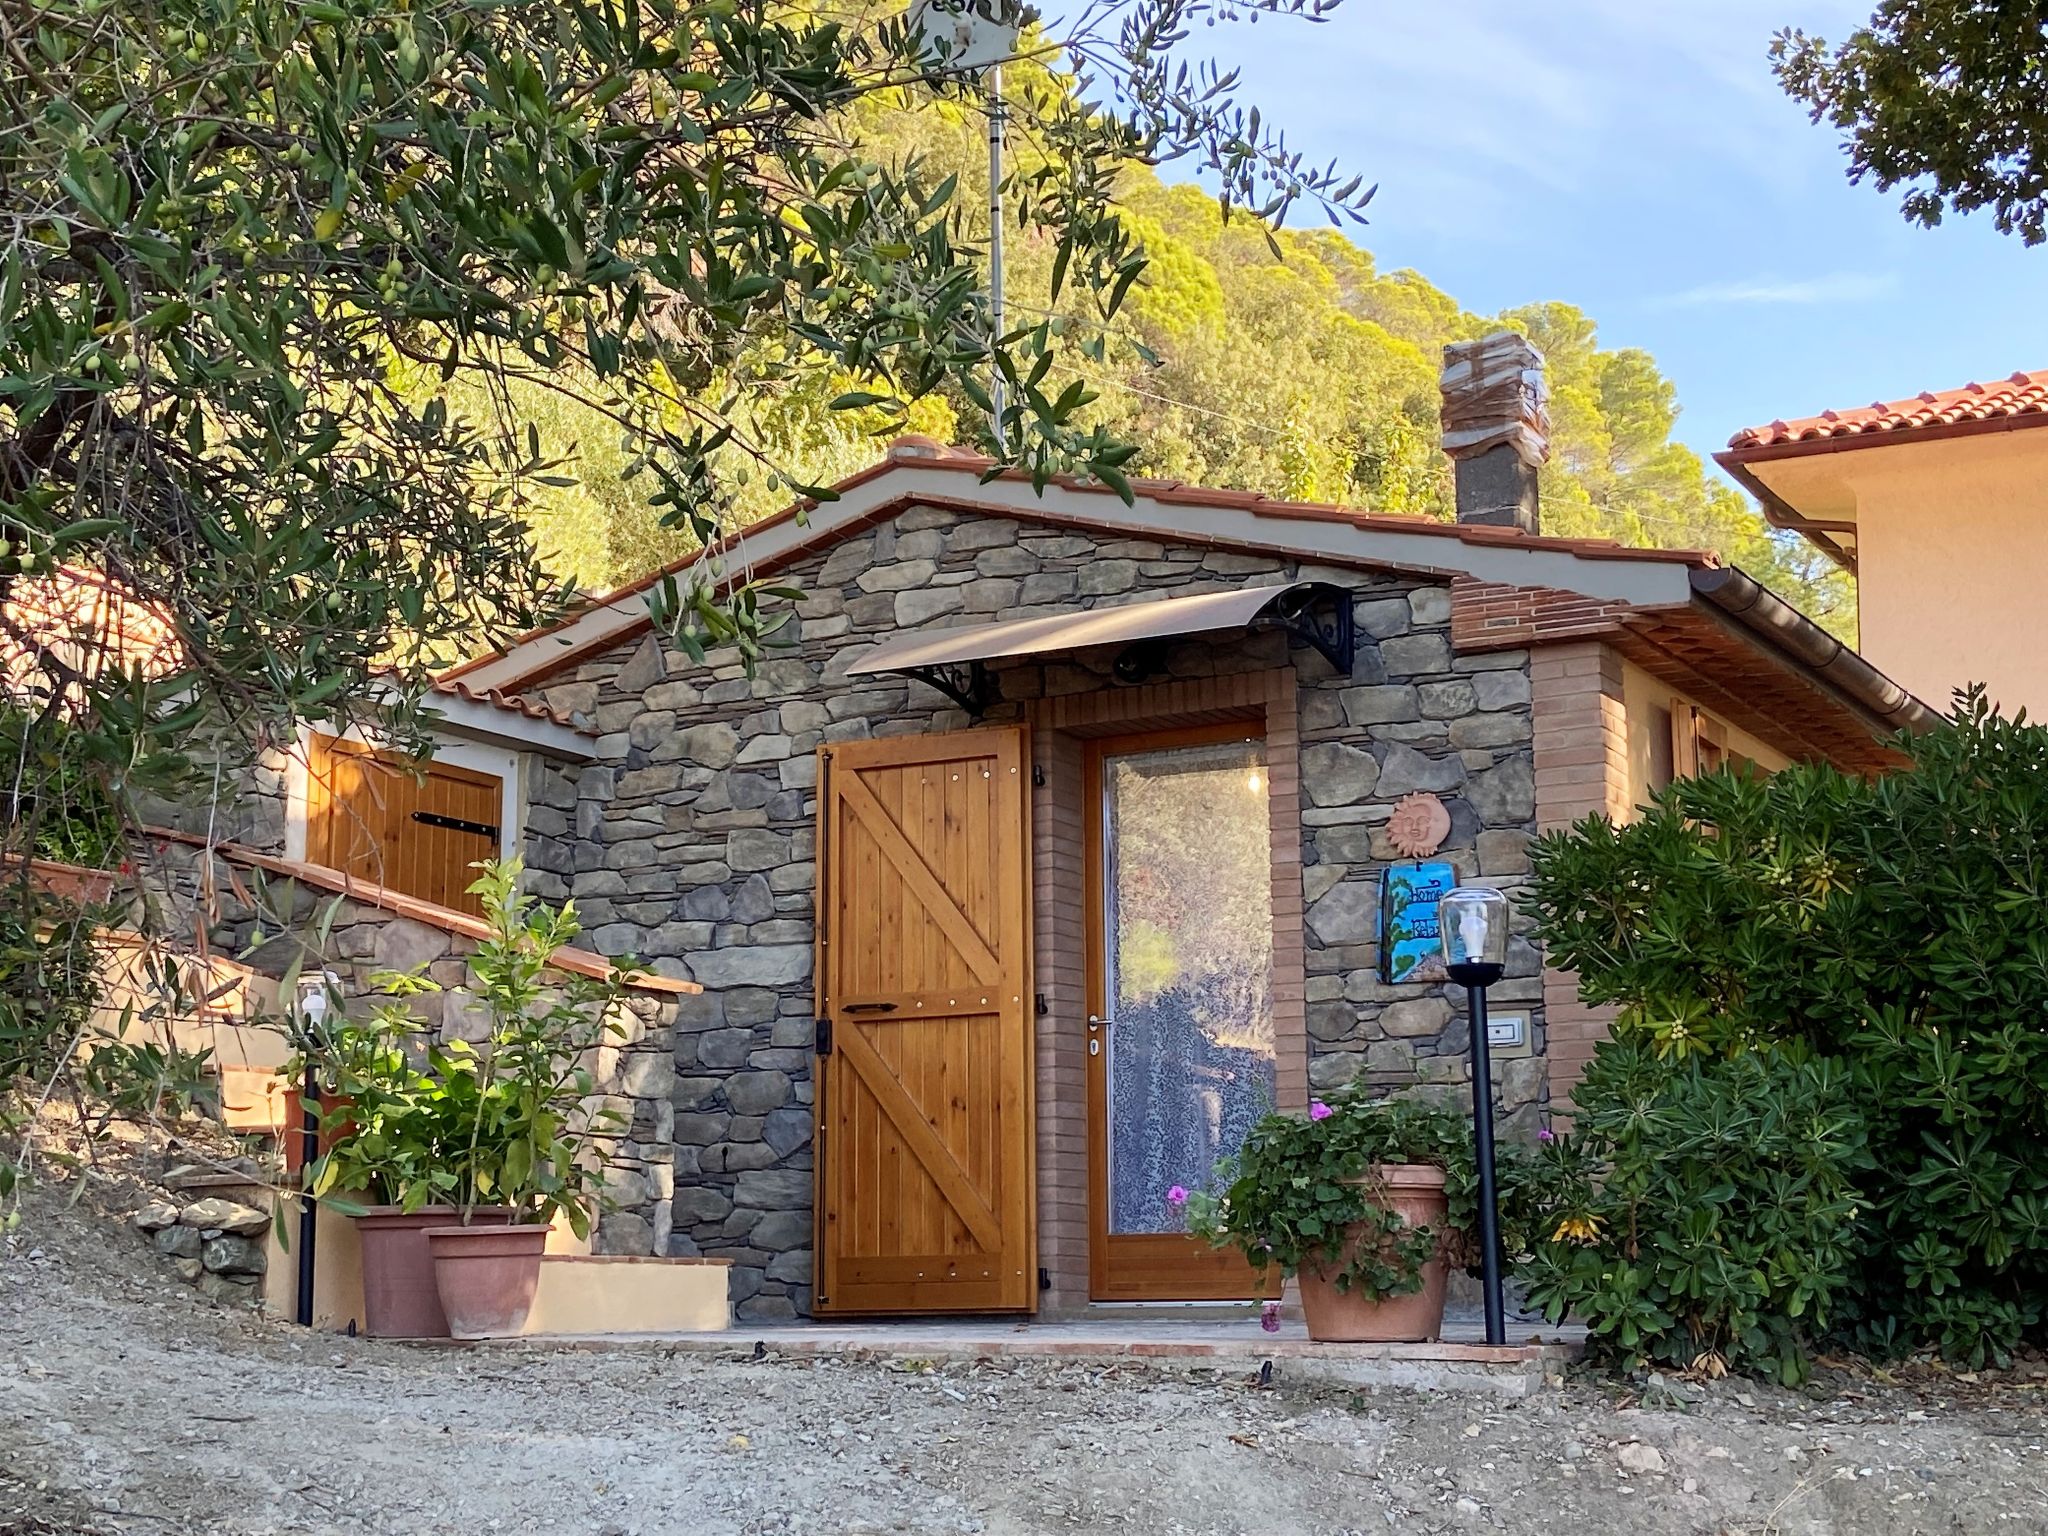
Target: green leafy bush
<point x="49" y="976"/>
<point x="1300" y="1184"/>
<point x="413" y="1120"/>
<point x="58" y="806"/>
<point x="1898" y="924"/>
<point x="1710" y="1209"/>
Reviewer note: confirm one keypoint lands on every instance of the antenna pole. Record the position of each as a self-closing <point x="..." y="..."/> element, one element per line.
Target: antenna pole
<point x="997" y="393"/>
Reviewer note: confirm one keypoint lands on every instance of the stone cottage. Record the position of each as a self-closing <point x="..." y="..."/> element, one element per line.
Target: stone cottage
<point x="1052" y="847"/>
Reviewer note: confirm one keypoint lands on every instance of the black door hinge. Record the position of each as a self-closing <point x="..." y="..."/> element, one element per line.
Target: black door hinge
<point x="1038" y="775"/>
<point x="1044" y="1278"/>
<point x="824" y="1037"/>
<point x="1044" y="1007"/>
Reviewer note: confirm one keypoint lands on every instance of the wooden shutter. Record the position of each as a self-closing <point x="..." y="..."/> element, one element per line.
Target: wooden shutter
<point x="924" y="1130"/>
<point x="371" y="814"/>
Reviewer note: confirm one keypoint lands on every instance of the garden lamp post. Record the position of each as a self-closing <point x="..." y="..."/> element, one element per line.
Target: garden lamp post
<point x="315" y="992"/>
<point x="1473" y="923"/>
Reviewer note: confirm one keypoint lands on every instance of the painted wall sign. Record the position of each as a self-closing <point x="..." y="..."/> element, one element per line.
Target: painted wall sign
<point x="1409" y="948"/>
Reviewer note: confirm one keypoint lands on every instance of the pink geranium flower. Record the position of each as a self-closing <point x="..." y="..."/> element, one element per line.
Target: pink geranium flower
<point x="1177" y="1196"/>
<point x="1546" y="1134"/>
<point x="1320" y="1111"/>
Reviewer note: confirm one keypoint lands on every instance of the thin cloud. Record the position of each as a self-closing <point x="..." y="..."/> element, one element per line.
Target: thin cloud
<point x="1835" y="288"/>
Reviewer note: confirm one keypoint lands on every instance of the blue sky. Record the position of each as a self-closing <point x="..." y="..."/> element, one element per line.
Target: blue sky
<point x="1636" y="158"/>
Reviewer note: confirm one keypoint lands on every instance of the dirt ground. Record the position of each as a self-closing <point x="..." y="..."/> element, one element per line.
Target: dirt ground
<point x="130" y="1404"/>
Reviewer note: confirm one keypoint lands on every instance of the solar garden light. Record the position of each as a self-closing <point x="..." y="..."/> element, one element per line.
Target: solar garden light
<point x="1473" y="921"/>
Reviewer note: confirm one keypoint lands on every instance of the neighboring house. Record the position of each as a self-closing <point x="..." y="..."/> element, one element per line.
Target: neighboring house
<point x="1049" y="849"/>
<point x="1939" y="506"/>
<point x="61" y="632"/>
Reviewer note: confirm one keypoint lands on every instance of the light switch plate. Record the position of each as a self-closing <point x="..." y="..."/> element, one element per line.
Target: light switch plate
<point x="1507" y="1034"/>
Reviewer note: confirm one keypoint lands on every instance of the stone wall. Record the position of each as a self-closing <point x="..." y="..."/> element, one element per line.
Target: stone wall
<point x="209" y="1226"/>
<point x="249" y="805"/>
<point x="691" y="840"/>
<point x="633" y="1072"/>
<point x="1415" y="716"/>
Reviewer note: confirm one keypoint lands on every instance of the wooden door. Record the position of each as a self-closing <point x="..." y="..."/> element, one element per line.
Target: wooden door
<point x="924" y="1125"/>
<point x="1177" y="871"/>
<point x="373" y="815"/>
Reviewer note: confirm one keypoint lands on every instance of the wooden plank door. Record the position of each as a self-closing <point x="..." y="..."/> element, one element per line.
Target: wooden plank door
<point x="373" y="815"/>
<point x="924" y="1131"/>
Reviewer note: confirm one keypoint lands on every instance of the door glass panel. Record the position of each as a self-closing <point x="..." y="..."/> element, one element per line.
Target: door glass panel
<point x="1188" y="905"/>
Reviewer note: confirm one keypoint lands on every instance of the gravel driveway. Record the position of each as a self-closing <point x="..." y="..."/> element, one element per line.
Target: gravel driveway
<point x="129" y="1404"/>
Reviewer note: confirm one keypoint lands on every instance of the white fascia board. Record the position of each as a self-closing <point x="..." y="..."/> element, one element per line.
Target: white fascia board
<point x="1649" y="583"/>
<point x="452" y="716"/>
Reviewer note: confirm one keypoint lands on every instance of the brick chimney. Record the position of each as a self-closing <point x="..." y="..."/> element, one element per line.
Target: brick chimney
<point x="1496" y="428"/>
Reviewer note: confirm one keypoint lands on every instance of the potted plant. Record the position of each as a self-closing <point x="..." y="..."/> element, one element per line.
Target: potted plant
<point x="1352" y="1201"/>
<point x="391" y="1145"/>
<point x="534" y="1142"/>
<point x="423" y="1135"/>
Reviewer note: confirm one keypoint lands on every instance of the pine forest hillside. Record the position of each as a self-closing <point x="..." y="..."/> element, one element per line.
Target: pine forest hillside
<point x="1288" y="365"/>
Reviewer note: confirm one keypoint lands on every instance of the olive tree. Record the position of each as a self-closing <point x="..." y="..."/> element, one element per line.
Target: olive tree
<point x="273" y="271"/>
<point x="1948" y="98"/>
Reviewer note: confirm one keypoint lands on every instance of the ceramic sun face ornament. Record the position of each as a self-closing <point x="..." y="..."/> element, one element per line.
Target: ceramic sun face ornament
<point x="1419" y="825"/>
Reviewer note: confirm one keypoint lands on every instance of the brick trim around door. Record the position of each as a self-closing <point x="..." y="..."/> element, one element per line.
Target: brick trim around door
<point x="1059" y="726"/>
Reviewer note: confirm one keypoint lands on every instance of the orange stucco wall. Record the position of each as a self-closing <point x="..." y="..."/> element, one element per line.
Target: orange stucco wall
<point x="1952" y="555"/>
<point x="1649" y="704"/>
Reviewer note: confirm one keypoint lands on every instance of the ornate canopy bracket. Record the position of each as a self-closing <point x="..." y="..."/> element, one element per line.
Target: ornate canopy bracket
<point x="1321" y="617"/>
<point x="969" y="684"/>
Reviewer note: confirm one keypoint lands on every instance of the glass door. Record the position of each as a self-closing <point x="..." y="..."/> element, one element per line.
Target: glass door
<point x="1180" y="1033"/>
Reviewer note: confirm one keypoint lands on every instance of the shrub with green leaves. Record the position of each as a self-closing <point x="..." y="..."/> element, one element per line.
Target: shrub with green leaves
<point x="414" y="1120"/>
<point x="1899" y="924"/>
<point x="1710" y="1209"/>
<point x="49" y="975"/>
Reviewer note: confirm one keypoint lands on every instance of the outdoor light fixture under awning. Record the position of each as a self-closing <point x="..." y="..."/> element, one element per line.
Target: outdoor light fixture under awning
<point x="955" y="661"/>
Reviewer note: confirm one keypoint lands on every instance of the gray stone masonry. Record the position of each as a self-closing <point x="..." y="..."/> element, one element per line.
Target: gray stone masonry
<point x="632" y="1073"/>
<point x="691" y="841"/>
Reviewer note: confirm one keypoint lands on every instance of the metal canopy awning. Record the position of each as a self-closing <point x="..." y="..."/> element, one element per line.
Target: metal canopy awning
<point x="955" y="661"/>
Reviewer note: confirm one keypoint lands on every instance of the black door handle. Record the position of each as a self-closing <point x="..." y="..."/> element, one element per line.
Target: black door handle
<point x="867" y="1008"/>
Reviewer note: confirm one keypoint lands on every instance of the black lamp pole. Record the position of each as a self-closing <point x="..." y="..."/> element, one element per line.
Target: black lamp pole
<point x="1477" y="977"/>
<point x="309" y="1208"/>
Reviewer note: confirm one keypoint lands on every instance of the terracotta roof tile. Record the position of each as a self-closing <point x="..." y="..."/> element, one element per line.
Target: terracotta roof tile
<point x="74" y="625"/>
<point x="515" y="703"/>
<point x="923" y="453"/>
<point x="2024" y="394"/>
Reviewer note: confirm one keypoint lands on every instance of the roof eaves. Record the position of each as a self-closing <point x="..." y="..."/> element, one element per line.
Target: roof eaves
<point x="581" y="962"/>
<point x="1780" y="513"/>
<point x="1779" y="627"/>
<point x="607" y="620"/>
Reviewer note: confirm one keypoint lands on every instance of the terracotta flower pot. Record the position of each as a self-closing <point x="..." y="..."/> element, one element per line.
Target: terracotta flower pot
<point x="487" y="1277"/>
<point x="399" y="1299"/>
<point x="1415" y="1193"/>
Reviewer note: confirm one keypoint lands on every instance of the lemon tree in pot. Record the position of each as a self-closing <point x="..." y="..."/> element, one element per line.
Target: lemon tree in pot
<point x="476" y="1148"/>
<point x="1363" y="1200"/>
<point x="537" y="1142"/>
<point x="394" y="1149"/>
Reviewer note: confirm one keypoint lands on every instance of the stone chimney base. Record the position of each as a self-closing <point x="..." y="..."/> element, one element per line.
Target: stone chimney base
<point x="1498" y="488"/>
